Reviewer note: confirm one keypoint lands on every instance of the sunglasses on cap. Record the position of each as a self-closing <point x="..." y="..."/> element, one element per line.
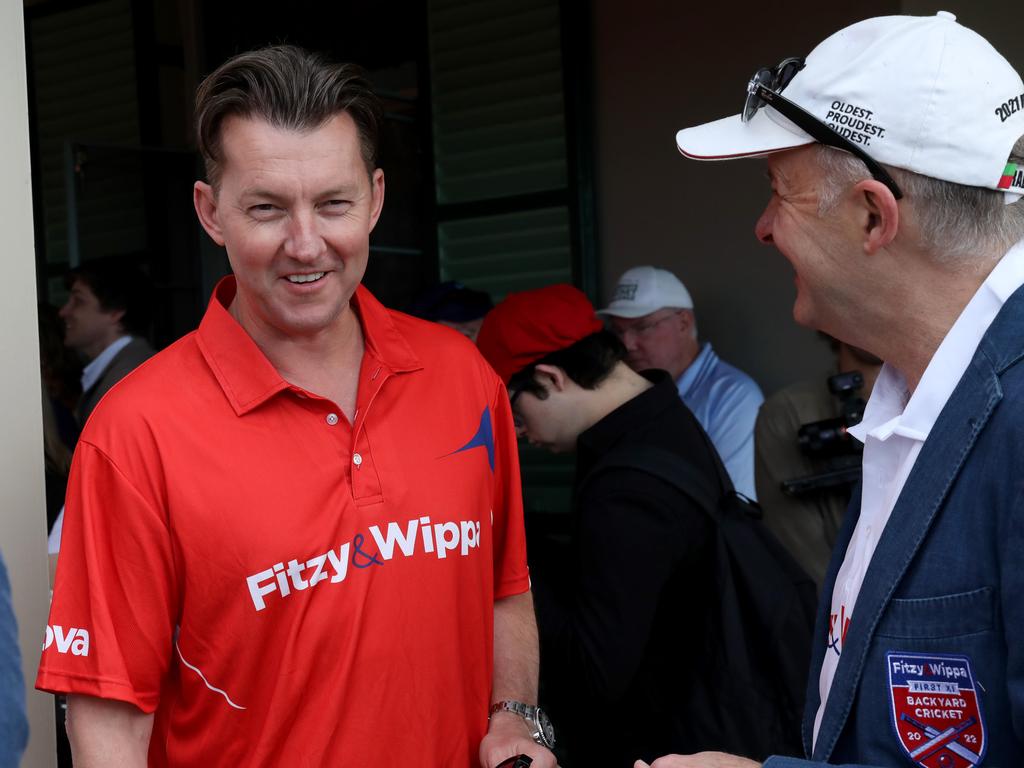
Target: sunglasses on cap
<point x="766" y="87"/>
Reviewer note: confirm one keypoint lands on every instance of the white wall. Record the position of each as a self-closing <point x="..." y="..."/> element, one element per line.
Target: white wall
<point x="22" y="516"/>
<point x="661" y="66"/>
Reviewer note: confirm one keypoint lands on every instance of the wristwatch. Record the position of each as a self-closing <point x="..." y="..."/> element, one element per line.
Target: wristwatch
<point x="542" y="730"/>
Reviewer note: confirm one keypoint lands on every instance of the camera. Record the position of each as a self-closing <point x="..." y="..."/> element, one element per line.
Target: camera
<point x="830" y="441"/>
<point x="829" y="437"/>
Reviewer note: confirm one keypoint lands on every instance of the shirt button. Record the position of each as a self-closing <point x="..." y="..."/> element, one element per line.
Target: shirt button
<point x="357" y="459"/>
<point x="332" y="419"/>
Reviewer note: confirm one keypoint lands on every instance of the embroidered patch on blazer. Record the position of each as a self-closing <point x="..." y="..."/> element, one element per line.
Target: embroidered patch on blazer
<point x="936" y="710"/>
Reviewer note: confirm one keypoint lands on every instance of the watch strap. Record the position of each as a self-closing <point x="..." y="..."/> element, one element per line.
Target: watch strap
<point x="533" y="716"/>
<point x="526" y="711"/>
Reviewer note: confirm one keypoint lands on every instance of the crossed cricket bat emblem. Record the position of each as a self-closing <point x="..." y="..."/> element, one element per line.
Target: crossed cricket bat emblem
<point x="942" y="740"/>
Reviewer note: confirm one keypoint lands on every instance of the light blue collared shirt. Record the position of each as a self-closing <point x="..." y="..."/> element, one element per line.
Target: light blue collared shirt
<point x="725" y="401"/>
<point x="92" y="372"/>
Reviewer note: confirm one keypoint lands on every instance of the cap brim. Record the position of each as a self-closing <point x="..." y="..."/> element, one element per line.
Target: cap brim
<point x="731" y="138"/>
<point x="633" y="312"/>
<point x="627" y="312"/>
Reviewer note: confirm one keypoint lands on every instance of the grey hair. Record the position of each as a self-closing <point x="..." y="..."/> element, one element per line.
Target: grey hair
<point x="955" y="221"/>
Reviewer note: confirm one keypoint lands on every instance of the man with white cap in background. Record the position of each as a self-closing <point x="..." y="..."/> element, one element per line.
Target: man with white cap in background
<point x="652" y="313"/>
<point x="920" y="261"/>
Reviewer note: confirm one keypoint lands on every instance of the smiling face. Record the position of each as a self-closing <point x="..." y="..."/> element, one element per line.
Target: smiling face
<point x="808" y="239"/>
<point x="88" y="327"/>
<point x="294" y="211"/>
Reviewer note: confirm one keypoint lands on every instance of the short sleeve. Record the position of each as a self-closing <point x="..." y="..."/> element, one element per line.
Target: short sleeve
<point x="112" y="620"/>
<point x="511" y="574"/>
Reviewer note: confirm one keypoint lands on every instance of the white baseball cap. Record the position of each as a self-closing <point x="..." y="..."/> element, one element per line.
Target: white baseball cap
<point x="643" y="290"/>
<point x="921" y="93"/>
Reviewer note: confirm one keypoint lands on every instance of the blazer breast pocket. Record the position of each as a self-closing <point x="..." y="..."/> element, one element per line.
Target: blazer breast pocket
<point x="942" y="616"/>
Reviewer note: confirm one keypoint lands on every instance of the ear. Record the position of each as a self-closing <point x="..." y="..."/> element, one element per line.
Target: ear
<point x="551" y="377"/>
<point x="377" y="201"/>
<point x="685" y="319"/>
<point x="878" y="214"/>
<point x="116" y="315"/>
<point x="204" y="198"/>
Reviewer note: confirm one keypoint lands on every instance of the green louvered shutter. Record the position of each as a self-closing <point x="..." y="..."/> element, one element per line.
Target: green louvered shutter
<point x="84" y="87"/>
<point x="498" y="120"/>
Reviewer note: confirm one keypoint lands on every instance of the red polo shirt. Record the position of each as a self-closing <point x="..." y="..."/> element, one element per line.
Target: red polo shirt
<point x="281" y="587"/>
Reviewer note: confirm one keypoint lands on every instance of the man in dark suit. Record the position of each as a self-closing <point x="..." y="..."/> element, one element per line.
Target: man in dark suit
<point x="106" y="318"/>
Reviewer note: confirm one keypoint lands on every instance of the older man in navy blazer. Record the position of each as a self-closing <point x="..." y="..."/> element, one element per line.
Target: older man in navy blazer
<point x="895" y="158"/>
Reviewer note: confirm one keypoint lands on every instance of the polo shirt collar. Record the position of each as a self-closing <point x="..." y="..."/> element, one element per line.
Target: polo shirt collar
<point x="382" y="339"/>
<point x="246" y="375"/>
<point x="697" y="370"/>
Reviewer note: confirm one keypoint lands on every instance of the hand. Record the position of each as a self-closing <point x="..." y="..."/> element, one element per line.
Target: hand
<point x="703" y="760"/>
<point x="509" y="736"/>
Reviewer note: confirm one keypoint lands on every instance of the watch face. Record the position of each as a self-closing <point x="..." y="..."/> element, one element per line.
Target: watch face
<point x="547" y="731"/>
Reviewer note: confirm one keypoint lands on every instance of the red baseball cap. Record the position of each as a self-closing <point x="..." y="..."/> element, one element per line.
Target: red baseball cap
<point x="530" y="325"/>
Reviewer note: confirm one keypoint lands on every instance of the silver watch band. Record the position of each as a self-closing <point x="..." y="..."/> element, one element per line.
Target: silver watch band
<point x="525" y="711"/>
<point x="540" y="726"/>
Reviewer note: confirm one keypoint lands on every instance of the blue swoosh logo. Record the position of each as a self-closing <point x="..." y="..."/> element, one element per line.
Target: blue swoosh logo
<point x="484" y="438"/>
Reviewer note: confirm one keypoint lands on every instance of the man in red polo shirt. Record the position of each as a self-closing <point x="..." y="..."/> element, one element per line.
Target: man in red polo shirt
<point x="295" y="536"/>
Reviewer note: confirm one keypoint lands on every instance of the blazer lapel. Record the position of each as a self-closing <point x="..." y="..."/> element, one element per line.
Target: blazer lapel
<point x="91" y="397"/>
<point x="820" y="642"/>
<point x="819" y="646"/>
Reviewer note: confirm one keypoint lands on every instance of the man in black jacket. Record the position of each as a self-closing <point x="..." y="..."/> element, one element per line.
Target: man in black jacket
<point x="620" y="634"/>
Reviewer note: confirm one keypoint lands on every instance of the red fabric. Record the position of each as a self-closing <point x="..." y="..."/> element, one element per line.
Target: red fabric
<point x="205" y="484"/>
<point x="529" y="325"/>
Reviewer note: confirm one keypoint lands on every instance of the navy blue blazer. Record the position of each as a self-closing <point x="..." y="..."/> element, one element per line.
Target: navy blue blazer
<point x="932" y="672"/>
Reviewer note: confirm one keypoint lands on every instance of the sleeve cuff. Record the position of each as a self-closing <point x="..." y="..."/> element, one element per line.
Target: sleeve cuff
<point x="59" y="683"/>
<point x="512" y="587"/>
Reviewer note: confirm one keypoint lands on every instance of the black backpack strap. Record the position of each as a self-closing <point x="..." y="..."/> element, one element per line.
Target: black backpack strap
<point x="672" y="469"/>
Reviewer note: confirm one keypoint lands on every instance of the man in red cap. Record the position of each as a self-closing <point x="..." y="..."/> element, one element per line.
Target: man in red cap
<point x="617" y="639"/>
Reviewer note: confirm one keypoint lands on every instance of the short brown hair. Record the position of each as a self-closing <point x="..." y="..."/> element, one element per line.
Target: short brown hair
<point x="288" y="87"/>
<point x="118" y="284"/>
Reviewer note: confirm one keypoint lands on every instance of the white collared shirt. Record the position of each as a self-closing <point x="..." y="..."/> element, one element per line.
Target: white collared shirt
<point x="92" y="372"/>
<point x="895" y="427"/>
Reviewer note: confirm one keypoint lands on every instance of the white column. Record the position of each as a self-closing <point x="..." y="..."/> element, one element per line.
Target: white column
<point x="22" y="507"/>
